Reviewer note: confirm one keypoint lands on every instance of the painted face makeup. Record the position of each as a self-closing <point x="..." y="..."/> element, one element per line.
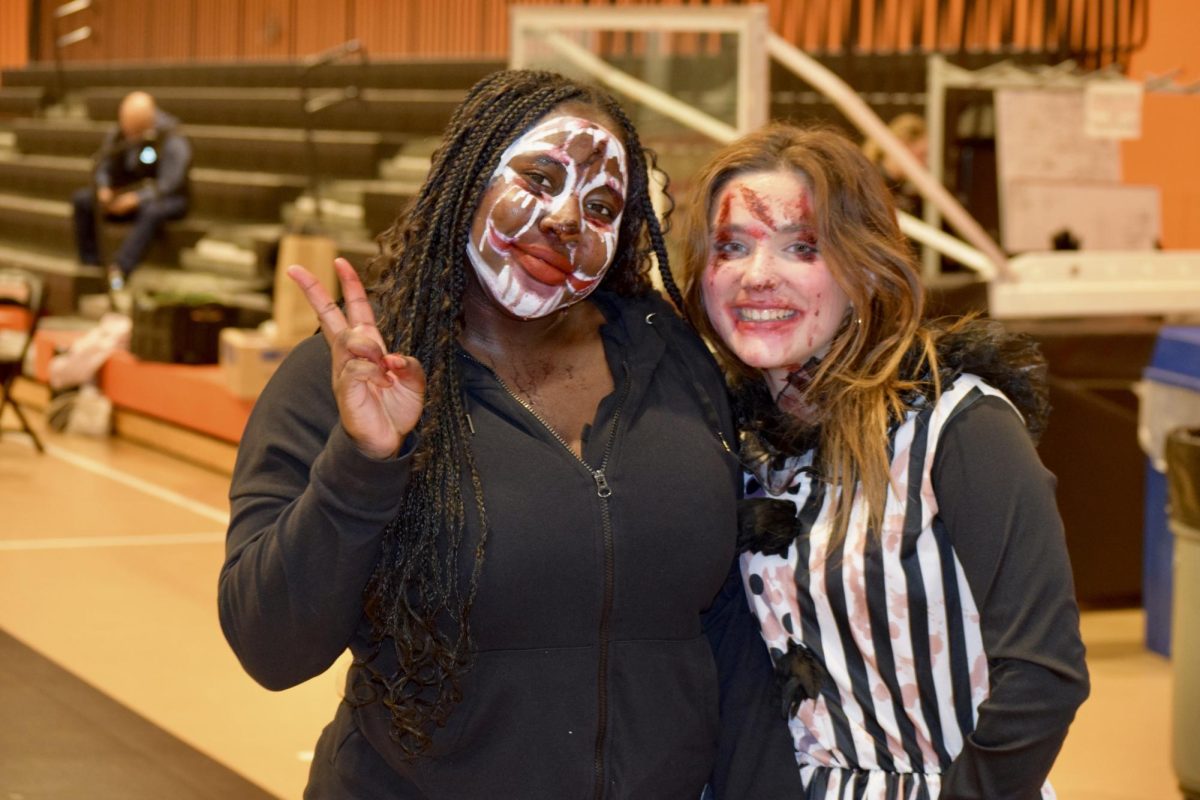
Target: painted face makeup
<point x="546" y="229"/>
<point x="766" y="288"/>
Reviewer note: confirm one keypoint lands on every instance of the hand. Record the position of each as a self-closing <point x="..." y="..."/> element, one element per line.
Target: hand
<point x="123" y="203"/>
<point x="104" y="195"/>
<point x="380" y="395"/>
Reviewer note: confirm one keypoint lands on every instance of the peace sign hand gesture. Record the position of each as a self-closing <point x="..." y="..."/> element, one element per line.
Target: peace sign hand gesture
<point x="379" y="395"/>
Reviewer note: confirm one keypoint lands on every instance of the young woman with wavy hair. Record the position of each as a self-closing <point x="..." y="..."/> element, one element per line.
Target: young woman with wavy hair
<point x="901" y="544"/>
<point x="501" y="481"/>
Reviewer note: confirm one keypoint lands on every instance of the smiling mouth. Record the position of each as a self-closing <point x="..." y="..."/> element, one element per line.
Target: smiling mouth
<point x="539" y="269"/>
<point x="764" y="314"/>
<point x="540" y="264"/>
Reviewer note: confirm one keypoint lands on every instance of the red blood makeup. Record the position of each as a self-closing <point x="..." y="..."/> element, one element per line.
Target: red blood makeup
<point x="767" y="290"/>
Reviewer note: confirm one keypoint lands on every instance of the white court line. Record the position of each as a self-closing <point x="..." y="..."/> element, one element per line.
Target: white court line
<point x="85" y="542"/>
<point x="175" y="498"/>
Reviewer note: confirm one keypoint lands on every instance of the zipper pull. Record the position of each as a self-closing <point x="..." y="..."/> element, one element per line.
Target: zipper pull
<point x="602" y="487"/>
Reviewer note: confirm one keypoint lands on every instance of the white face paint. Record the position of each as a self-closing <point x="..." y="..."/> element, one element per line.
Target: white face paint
<point x="546" y="229"/>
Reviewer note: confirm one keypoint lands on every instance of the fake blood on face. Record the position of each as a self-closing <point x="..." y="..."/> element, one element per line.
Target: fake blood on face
<point x="767" y="289"/>
<point x="758" y="208"/>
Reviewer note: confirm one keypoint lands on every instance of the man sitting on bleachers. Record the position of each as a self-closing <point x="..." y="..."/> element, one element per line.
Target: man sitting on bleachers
<point x="141" y="176"/>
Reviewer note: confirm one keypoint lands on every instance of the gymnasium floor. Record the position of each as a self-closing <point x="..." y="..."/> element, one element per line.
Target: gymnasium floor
<point x="115" y="680"/>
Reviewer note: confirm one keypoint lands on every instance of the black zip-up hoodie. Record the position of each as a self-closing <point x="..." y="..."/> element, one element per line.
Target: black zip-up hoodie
<point x="616" y="656"/>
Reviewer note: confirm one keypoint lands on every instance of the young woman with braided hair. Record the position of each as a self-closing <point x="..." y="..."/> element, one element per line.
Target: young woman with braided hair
<point x="512" y="502"/>
<point x="901" y="545"/>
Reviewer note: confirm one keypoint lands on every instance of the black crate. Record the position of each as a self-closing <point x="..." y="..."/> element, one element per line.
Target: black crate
<point x="179" y="330"/>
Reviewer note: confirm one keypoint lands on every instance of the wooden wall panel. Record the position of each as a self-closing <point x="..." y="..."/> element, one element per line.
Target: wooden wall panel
<point x="14" y="33"/>
<point x="268" y="29"/>
<point x="127" y="30"/>
<point x="281" y="29"/>
<point x="169" y="25"/>
<point x="387" y="27"/>
<point x="320" y="26"/>
<point x="45" y="45"/>
<point x="493" y="25"/>
<point x="218" y="30"/>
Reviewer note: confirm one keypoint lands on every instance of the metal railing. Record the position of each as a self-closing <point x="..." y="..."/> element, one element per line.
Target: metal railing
<point x="312" y="105"/>
<point x="64" y="40"/>
<point x="979" y="252"/>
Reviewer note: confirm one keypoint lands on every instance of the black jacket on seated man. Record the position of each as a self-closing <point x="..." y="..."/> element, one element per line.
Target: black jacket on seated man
<point x="141" y="176"/>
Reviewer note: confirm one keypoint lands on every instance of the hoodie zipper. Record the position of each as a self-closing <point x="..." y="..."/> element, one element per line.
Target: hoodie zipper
<point x="604" y="492"/>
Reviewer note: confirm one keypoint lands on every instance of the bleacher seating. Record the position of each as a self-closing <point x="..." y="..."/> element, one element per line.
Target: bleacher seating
<point x="251" y="158"/>
<point x="15" y="101"/>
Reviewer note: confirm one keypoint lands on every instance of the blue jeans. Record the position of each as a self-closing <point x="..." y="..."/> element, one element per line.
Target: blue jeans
<point x="147" y="219"/>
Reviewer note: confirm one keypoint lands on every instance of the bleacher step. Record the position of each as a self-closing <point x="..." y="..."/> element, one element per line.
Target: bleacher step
<point x="48" y="225"/>
<point x="215" y="193"/>
<point x="337" y="216"/>
<point x="65" y="280"/>
<point x="383" y="200"/>
<point x="219" y="257"/>
<point x="18" y="100"/>
<point x="425" y="72"/>
<point x="423" y="111"/>
<point x="259" y="149"/>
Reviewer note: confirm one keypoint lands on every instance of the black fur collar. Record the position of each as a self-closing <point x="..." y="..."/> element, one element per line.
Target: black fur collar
<point x="1012" y="363"/>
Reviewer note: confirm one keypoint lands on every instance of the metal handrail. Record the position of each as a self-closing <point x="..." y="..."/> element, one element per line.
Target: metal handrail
<point x="985" y="257"/>
<point x="311" y="106"/>
<point x="981" y="254"/>
<point x="65" y="40"/>
<point x="984" y="251"/>
<point x="641" y="91"/>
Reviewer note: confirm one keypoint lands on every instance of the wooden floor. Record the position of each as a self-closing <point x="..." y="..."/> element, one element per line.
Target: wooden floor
<point x="109" y="554"/>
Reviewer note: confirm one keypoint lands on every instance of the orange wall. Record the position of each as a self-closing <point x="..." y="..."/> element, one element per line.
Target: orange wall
<point x="1168" y="154"/>
<point x="14" y="33"/>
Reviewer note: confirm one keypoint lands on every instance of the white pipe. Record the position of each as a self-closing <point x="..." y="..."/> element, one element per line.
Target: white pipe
<point x="643" y="92"/>
<point x="947" y="245"/>
<point x="75" y="36"/>
<point x="67" y="9"/>
<point x="867" y="121"/>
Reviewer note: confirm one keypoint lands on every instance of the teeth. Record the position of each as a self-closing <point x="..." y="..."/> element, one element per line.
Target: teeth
<point x="765" y="314"/>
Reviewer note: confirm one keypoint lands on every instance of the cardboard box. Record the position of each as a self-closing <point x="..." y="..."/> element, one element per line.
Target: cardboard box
<point x="248" y="360"/>
<point x="294" y="317"/>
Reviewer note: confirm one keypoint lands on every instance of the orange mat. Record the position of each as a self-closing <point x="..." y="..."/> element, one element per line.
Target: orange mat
<point x="193" y="397"/>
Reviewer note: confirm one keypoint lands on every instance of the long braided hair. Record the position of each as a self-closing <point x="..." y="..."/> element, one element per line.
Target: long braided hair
<point x="414" y="600"/>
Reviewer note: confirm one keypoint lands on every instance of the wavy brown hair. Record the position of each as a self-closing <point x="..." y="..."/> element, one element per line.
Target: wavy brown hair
<point x="414" y="600"/>
<point x="858" y="389"/>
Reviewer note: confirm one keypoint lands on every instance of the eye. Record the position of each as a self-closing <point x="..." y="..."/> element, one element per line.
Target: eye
<point x="538" y="180"/>
<point x="601" y="211"/>
<point x="729" y="248"/>
<point x="805" y="249"/>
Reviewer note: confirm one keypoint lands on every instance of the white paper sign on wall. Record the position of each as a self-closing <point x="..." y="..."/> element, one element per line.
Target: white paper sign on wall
<point x="1113" y="109"/>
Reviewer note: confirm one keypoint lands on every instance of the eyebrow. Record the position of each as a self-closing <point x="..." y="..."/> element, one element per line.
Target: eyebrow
<point x="800" y="228"/>
<point x="545" y="159"/>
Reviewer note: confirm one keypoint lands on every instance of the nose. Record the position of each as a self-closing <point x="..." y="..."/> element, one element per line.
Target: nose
<point x="759" y="272"/>
<point x="564" y="221"/>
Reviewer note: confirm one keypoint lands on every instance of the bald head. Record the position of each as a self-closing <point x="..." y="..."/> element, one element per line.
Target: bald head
<point x="136" y="114"/>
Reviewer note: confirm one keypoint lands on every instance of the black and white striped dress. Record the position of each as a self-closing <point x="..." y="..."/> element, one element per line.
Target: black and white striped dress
<point x="893" y="620"/>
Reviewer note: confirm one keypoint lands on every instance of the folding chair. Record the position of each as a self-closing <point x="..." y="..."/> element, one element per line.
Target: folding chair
<point x="20" y="307"/>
